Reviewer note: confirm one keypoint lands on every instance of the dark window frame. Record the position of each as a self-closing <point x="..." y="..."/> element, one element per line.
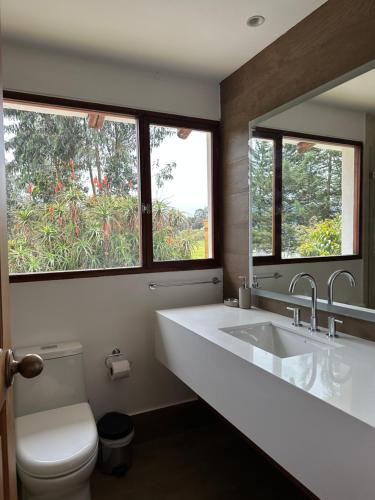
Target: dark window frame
<point x="277" y="136"/>
<point x="145" y="119"/>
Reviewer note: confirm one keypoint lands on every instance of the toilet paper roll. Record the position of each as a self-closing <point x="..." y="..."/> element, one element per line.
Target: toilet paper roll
<point x="119" y="369"/>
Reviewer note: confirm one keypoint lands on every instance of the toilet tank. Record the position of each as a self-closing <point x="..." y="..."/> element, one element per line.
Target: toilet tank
<point x="61" y="382"/>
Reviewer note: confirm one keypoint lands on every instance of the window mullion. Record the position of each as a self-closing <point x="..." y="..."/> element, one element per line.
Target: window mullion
<point x="145" y="183"/>
<point x="277" y="200"/>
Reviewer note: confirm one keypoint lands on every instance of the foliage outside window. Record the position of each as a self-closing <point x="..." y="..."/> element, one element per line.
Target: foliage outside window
<point x="74" y="185"/>
<point x="180" y="183"/>
<point x="262" y="172"/>
<point x="305" y="197"/>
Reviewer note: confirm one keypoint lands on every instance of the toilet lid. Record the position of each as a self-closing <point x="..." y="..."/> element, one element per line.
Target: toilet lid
<point x="56" y="442"/>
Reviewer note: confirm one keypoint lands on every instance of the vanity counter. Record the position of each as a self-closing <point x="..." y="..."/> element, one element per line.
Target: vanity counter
<point x="313" y="413"/>
<point x="343" y="376"/>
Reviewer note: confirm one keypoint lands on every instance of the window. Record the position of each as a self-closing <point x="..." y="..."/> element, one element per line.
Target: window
<point x="181" y="171"/>
<point x="263" y="161"/>
<point x="105" y="190"/>
<point x="305" y="197"/>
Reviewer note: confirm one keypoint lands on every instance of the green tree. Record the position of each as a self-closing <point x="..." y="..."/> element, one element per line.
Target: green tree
<point x="311" y="192"/>
<point x="199" y="217"/>
<point x="46" y="150"/>
<point x="262" y="195"/>
<point x="320" y="238"/>
<point x="73" y="195"/>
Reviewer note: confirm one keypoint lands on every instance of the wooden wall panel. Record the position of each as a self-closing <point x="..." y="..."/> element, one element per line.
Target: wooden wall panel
<point x="335" y="39"/>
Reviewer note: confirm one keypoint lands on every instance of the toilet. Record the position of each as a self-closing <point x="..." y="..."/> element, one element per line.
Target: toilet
<point x="56" y="435"/>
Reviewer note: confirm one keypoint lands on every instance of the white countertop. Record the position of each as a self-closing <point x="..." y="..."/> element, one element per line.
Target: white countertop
<point x="343" y="376"/>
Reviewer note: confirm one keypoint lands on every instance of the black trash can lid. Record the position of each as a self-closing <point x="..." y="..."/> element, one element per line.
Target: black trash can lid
<point x="115" y="425"/>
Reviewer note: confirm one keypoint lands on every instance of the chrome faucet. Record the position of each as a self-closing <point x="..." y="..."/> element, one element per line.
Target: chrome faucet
<point x="332" y="279"/>
<point x="314" y="297"/>
<point x="332" y="321"/>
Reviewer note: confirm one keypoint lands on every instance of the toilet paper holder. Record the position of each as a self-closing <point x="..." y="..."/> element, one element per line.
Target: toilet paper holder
<point x="116" y="353"/>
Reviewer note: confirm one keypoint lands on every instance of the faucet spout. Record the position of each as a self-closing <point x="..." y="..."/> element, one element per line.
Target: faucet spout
<point x="332" y="278"/>
<point x="314" y="297"/>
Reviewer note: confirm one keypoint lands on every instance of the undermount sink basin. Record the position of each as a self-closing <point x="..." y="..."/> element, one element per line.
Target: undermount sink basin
<point x="278" y="341"/>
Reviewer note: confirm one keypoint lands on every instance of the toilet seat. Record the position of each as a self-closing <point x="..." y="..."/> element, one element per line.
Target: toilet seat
<point x="55" y="443"/>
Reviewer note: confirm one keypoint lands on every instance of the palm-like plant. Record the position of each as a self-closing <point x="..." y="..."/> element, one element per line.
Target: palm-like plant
<point x="21" y="258"/>
<point x="177" y="219"/>
<point x="74" y="231"/>
<point x="160" y="211"/>
<point x="47" y="234"/>
<point x="130" y="207"/>
<point x="186" y="244"/>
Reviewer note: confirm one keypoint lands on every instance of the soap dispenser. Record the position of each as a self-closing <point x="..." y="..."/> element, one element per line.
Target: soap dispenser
<point x="244" y="294"/>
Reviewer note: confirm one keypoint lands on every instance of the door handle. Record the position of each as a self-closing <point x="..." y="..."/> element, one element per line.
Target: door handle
<point x="29" y="366"/>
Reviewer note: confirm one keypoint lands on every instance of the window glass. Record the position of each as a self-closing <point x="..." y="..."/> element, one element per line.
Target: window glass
<point x="262" y="171"/>
<point x="319" y="196"/>
<point x="73" y="190"/>
<point x="181" y="180"/>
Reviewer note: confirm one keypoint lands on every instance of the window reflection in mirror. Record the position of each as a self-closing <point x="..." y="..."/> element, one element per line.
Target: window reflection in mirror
<point x="262" y="196"/>
<point x="305" y="196"/>
<point x="312" y="192"/>
<point x="320" y="198"/>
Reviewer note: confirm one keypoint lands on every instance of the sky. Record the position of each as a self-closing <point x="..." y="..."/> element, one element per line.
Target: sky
<point x="188" y="190"/>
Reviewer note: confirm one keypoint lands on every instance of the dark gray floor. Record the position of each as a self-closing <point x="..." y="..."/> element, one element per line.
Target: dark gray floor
<point x="209" y="463"/>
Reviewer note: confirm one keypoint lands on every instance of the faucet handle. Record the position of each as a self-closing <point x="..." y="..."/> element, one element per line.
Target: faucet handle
<point x="296" y="315"/>
<point x="332" y="321"/>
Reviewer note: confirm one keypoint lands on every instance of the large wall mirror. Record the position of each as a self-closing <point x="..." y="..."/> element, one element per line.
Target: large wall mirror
<point x="312" y="196"/>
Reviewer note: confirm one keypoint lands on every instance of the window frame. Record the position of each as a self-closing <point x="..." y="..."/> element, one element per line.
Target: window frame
<point x="277" y="136"/>
<point x="144" y="120"/>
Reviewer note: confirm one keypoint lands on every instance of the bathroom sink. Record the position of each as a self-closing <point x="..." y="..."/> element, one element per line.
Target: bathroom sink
<point x="279" y="341"/>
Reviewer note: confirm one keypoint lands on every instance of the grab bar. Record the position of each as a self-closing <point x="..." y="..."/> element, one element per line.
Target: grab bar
<point x="153" y="285"/>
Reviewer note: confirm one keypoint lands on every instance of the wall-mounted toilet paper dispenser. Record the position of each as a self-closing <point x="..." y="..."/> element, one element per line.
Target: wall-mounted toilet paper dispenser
<point x="117" y="364"/>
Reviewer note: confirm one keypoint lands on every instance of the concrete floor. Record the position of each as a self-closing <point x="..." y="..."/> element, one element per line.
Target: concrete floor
<point x="209" y="463"/>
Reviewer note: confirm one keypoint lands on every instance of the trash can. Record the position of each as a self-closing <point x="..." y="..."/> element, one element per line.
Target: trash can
<point x="116" y="432"/>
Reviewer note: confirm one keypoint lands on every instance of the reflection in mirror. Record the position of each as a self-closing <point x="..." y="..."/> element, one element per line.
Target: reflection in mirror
<point x="313" y="193"/>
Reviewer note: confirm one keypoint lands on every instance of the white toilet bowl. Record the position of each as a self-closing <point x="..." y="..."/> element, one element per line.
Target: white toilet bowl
<point x="56" y="453"/>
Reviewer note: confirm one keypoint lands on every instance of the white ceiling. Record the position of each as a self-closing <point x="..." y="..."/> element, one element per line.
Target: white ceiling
<point x="206" y="38"/>
<point x="357" y="94"/>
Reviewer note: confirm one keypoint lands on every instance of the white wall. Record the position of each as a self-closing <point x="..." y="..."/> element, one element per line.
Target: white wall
<point x="313" y="117"/>
<point x="107" y="312"/>
<point x="119" y="311"/>
<point x="42" y="71"/>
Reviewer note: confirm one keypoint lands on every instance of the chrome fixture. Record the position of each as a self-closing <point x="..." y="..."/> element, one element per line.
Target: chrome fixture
<point x="314" y="297"/>
<point x="116" y="353"/>
<point x="153" y="285"/>
<point x="332" y="279"/>
<point x="332" y="326"/>
<point x="332" y="321"/>
<point x="255" y="283"/>
<point x="146" y="208"/>
<point x="296" y="316"/>
<point x="232" y="302"/>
